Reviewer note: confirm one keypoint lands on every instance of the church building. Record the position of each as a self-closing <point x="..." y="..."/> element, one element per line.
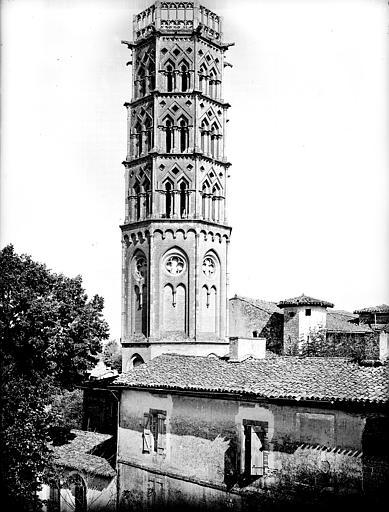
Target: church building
<point x="175" y="234"/>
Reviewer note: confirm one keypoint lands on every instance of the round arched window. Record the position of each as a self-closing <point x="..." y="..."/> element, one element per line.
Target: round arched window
<point x="209" y="266"/>
<point x="175" y="265"/>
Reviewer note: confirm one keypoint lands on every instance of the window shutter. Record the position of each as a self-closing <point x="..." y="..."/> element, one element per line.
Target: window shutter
<point x="161" y="441"/>
<point x="256" y="452"/>
<point x="146" y="434"/>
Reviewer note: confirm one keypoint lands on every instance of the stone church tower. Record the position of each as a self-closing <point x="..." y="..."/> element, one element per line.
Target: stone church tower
<point x="175" y="234"/>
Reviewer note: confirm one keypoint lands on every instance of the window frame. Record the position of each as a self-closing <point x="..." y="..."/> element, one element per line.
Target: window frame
<point x="256" y="427"/>
<point x="154" y="432"/>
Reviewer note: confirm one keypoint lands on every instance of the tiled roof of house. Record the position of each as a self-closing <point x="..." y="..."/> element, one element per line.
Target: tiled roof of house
<point x="304" y="300"/>
<point x="383" y="308"/>
<point x="339" y="322"/>
<point x="281" y="377"/>
<point x="76" y="454"/>
<point x="266" y="306"/>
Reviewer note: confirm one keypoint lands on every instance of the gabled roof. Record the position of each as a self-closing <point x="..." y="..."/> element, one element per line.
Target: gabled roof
<point x="304" y="300"/>
<point x="76" y="454"/>
<point x="383" y="308"/>
<point x="281" y="377"/>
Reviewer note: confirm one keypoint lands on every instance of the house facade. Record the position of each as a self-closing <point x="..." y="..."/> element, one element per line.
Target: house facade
<point x="208" y="433"/>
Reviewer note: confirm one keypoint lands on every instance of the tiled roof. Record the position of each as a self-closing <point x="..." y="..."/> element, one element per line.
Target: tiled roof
<point x="304" y="300"/>
<point x="338" y="322"/>
<point x="268" y="307"/>
<point x="383" y="308"/>
<point x="76" y="454"/>
<point x="281" y="377"/>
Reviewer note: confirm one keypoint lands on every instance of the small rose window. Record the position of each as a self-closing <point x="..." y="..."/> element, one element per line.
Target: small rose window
<point x="209" y="267"/>
<point x="175" y="265"/>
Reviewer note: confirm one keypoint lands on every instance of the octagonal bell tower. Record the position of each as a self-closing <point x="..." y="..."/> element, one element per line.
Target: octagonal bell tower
<point x="175" y="234"/>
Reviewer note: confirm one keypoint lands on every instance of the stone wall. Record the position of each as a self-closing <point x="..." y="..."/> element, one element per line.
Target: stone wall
<point x="205" y="448"/>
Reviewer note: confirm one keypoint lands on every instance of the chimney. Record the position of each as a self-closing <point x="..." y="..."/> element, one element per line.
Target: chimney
<point x="242" y="348"/>
<point x="384" y="345"/>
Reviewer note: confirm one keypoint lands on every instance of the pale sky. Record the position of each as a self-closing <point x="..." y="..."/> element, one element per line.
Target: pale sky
<point x="307" y="138"/>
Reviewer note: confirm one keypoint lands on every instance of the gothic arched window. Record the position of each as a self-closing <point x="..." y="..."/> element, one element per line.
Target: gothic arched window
<point x="168" y="199"/>
<point x="215" y="202"/>
<point x="184" y="135"/>
<point x="215" y="141"/>
<point x="149" y="134"/>
<point x="204" y="200"/>
<point x="146" y="188"/>
<point x="136" y="360"/>
<point x="185" y="78"/>
<point x="169" y="136"/>
<point x="138" y="137"/>
<point x="170" y="78"/>
<point x="212" y="83"/>
<point x="203" y="79"/>
<point x="142" y="82"/>
<point x="183" y="199"/>
<point x="204" y="136"/>
<point x="137" y="200"/>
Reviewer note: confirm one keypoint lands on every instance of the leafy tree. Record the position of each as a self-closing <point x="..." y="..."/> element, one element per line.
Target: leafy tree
<point x="112" y="355"/>
<point x="50" y="334"/>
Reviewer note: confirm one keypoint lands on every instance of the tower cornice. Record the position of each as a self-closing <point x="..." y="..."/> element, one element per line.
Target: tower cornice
<point x="173" y="94"/>
<point x="196" y="155"/>
<point x="157" y="224"/>
<point x="176" y="33"/>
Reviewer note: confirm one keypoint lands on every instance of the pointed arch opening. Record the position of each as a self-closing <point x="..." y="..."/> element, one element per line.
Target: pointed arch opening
<point x="168" y="199"/>
<point x="148" y="134"/>
<point x="184" y="206"/>
<point x="204" y="129"/>
<point x="169" y="133"/>
<point x="138" y="139"/>
<point x="215" y="140"/>
<point x="185" y="77"/>
<point x="204" y="199"/>
<point x="184" y="135"/>
<point x="137" y="199"/>
<point x="170" y="78"/>
<point x="147" y="193"/>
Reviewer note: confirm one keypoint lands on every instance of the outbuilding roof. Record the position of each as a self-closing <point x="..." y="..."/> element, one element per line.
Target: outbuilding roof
<point x="78" y="453"/>
<point x="304" y="300"/>
<point x="383" y="308"/>
<point x="266" y="306"/>
<point x="337" y="321"/>
<point x="282" y="377"/>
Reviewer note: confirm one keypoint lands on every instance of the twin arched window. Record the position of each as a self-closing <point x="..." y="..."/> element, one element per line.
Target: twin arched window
<point x="210" y="139"/>
<point x="141" y="200"/>
<point x="209" y="82"/>
<point x="177" y="79"/>
<point x="170" y="140"/>
<point x="176" y="202"/>
<point x="143" y="137"/>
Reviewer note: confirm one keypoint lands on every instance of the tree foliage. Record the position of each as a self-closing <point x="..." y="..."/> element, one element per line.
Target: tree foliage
<point x="112" y="355"/>
<point x="50" y="335"/>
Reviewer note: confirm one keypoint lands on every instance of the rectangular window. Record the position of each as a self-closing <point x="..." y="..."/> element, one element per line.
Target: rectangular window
<point x="256" y="447"/>
<point x="316" y="428"/>
<point x="154" y="432"/>
<point x="307" y="312"/>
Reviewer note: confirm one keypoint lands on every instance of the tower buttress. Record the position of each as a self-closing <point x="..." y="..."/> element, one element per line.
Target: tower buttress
<point x="175" y="234"/>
